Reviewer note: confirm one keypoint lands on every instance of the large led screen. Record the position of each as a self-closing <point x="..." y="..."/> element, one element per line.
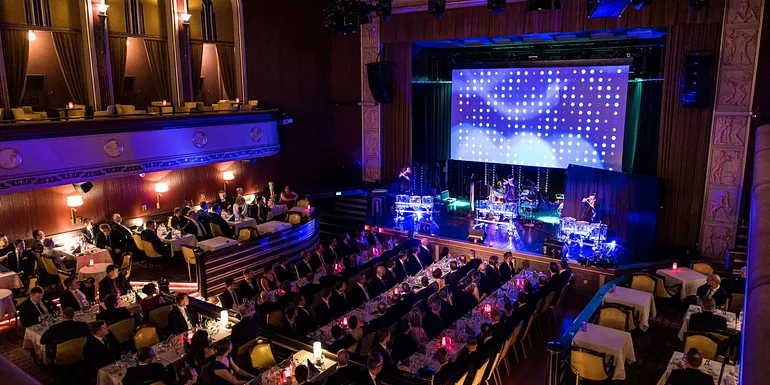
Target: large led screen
<point x="550" y="117"/>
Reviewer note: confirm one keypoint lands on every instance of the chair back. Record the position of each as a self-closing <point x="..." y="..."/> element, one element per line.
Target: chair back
<point x="564" y="291"/>
<point x="70" y="352"/>
<point x="529" y="325"/>
<point x="706" y="343"/>
<point x="538" y="308"/>
<point x="138" y="241"/>
<point x="548" y="301"/>
<point x="303" y="203"/>
<point x="149" y="251"/>
<point x="243" y="354"/>
<point x="275" y="317"/>
<point x="616" y="316"/>
<point x="262" y="357"/>
<point x="216" y="231"/>
<point x="736" y="303"/>
<point x="663" y="291"/>
<point x="493" y="365"/>
<point x="123" y="330"/>
<point x="366" y="344"/>
<point x="479" y="377"/>
<point x="62" y="277"/>
<point x="146" y="337"/>
<point x="159" y="316"/>
<point x="589" y="365"/>
<point x="244" y="234"/>
<point x="703" y="268"/>
<point x="204" y="377"/>
<point x="168" y="222"/>
<point x="643" y="282"/>
<point x="189" y="254"/>
<point x="515" y="335"/>
<point x="418" y="304"/>
<point x="126" y="265"/>
<point x="295" y="218"/>
<point x="461" y="381"/>
<point x="49" y="266"/>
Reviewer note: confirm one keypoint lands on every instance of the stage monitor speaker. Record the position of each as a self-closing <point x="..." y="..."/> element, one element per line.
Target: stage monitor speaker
<point x="606" y="8"/>
<point x="380" y="83"/>
<point x="83" y="187"/>
<point x="476" y="235"/>
<point x="696" y="79"/>
<point x="553" y="248"/>
<point x="543" y="5"/>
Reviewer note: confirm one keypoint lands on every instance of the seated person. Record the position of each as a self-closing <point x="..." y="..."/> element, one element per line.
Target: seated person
<point x="101" y="349"/>
<point x="404" y="345"/>
<point x="36" y="308"/>
<point x="63" y="262"/>
<point x="288" y="197"/>
<point x="346" y="371"/>
<point x="37" y="241"/>
<point x="180" y="319"/>
<point x="224" y="369"/>
<point x="112" y="313"/>
<point x="110" y="241"/>
<point x="148" y="234"/>
<point x="448" y="371"/>
<point x="20" y="260"/>
<point x="152" y="299"/>
<point x="247" y="328"/>
<point x="712" y="289"/>
<point x="88" y="233"/>
<point x="216" y="219"/>
<point x="73" y="297"/>
<point x="178" y="221"/>
<point x="200" y="351"/>
<point x="431" y="321"/>
<point x="222" y="201"/>
<point x="146" y="371"/>
<point x="65" y="330"/>
<point x="195" y="227"/>
<point x="114" y="283"/>
<point x="690" y="374"/>
<point x="706" y="320"/>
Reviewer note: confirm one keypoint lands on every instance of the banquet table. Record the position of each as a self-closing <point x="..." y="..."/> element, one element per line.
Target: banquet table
<point x="277" y="211"/>
<point x="690" y="280"/>
<point x="177" y="241"/>
<point x="98" y="256"/>
<point x="729" y="377"/>
<point x="217" y="243"/>
<point x="272" y="227"/>
<point x="242" y="223"/>
<point x="642" y="302"/>
<point x="33" y="334"/>
<point x="302" y="210"/>
<point x="274" y="375"/>
<point x="10" y="280"/>
<point x="7" y="306"/>
<point x="615" y="343"/>
<point x="97" y="272"/>
<point x="733" y="323"/>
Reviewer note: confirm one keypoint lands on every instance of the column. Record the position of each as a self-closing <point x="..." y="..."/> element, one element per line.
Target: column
<point x="240" y="49"/>
<point x="730" y="126"/>
<point x="370" y="110"/>
<point x="174" y="28"/>
<point x="96" y="55"/>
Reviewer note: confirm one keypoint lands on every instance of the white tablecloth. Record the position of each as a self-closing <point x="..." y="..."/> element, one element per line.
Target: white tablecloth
<point x="277" y="211"/>
<point x="33" y="334"/>
<point x="732" y="321"/>
<point x="177" y="242"/>
<point x="246" y="222"/>
<point x="99" y="256"/>
<point x="10" y="281"/>
<point x="217" y="243"/>
<point x="6" y="304"/>
<point x="97" y="272"/>
<point x="615" y="343"/>
<point x="690" y="280"/>
<point x="642" y="302"/>
<point x="273" y="375"/>
<point x="304" y="211"/>
<point x="272" y="227"/>
<point x="730" y="376"/>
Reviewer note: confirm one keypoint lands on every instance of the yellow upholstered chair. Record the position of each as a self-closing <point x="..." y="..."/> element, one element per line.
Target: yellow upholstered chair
<point x="643" y="282"/>
<point x="138" y="241"/>
<point x="511" y="343"/>
<point x="26" y="113"/>
<point x="590" y="365"/>
<point x="304" y="203"/>
<point x="150" y="252"/>
<point x="616" y="316"/>
<point x="123" y="330"/>
<point x="159" y="316"/>
<point x="275" y="317"/>
<point x="69" y="352"/>
<point x="127" y="110"/>
<point x="146" y="337"/>
<point x="77" y="113"/>
<point x="253" y="104"/>
<point x="189" y="256"/>
<point x="664" y="291"/>
<point x="461" y="381"/>
<point x="703" y="268"/>
<point x="243" y="354"/>
<point x="707" y="344"/>
<point x="109" y="112"/>
<point x="225" y="105"/>
<point x="126" y="265"/>
<point x="18" y="300"/>
<point x="262" y="356"/>
<point x="216" y="231"/>
<point x="244" y="234"/>
<point x="168" y="222"/>
<point x="50" y="267"/>
<point x="479" y="377"/>
<point x="365" y="346"/>
<point x="62" y="277"/>
<point x="294" y="218"/>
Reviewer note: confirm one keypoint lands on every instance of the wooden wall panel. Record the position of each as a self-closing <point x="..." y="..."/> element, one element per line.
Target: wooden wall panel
<point x="116" y="21"/>
<point x="12" y="12"/>
<point x="64" y="13"/>
<point x="154" y="17"/>
<point x="194" y="8"/>
<point x="224" y="13"/>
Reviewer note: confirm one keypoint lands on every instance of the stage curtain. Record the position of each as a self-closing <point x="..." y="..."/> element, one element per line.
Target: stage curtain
<point x="157" y="55"/>
<point x="642" y="127"/>
<point x="67" y="47"/>
<point x="196" y="64"/>
<point x="118" y="53"/>
<point x="397" y="116"/>
<point x="431" y="122"/>
<point x="16" y="58"/>
<point x="226" y="56"/>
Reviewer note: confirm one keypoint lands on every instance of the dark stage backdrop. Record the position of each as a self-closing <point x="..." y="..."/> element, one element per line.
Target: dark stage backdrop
<point x="627" y="203"/>
<point x="431" y="118"/>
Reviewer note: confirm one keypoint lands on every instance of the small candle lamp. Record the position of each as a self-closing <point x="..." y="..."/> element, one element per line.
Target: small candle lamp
<point x="237" y="100"/>
<point x="90" y="262"/>
<point x="395" y="291"/>
<point x="345" y="322"/>
<point x="308" y="207"/>
<point x="286" y="373"/>
<point x="443" y="341"/>
<point x="584" y="326"/>
<point x="223" y="318"/>
<point x="165" y="102"/>
<point x="317" y="352"/>
<point x="70" y="105"/>
<point x="673" y="266"/>
<point x="487" y="308"/>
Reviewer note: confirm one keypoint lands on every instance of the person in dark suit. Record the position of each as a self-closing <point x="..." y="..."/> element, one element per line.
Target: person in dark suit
<point x="283" y="271"/>
<point x="391" y="277"/>
<point x="493" y="270"/>
<point x="289" y="326"/>
<point x="404" y="345"/>
<point x="432" y="323"/>
<point x="216" y="219"/>
<point x="449" y="371"/>
<point x="203" y="215"/>
<point x="178" y="221"/>
<point x="374" y="365"/>
<point x="522" y="310"/>
<point x="20" y="260"/>
<point x="323" y="309"/>
<point x="110" y="241"/>
<point x="424" y="253"/>
<point x="339" y="300"/>
<point x="37" y="241"/>
<point x="706" y="320"/>
<point x="507" y="269"/>
<point x="247" y="328"/>
<point x="101" y="349"/>
<point x="359" y="292"/>
<point x="305" y="267"/>
<point x="114" y="283"/>
<point x="195" y="227"/>
<point x="330" y="278"/>
<point x="454" y="276"/>
<point x="271" y="193"/>
<point x="310" y="288"/>
<point x="470" y="355"/>
<point x="180" y="319"/>
<point x="111" y="312"/>
<point x="222" y="200"/>
<point x="73" y="297"/>
<point x="487" y="282"/>
<point x="378" y="286"/>
<point x="230" y="298"/>
<point x="36" y="308"/>
<point x="381" y="346"/>
<point x="499" y="329"/>
<point x="413" y="264"/>
<point x="146" y="371"/>
<point x="401" y="269"/>
<point x="148" y="234"/>
<point x="122" y="233"/>
<point x="346" y="371"/>
<point x="248" y="288"/>
<point x="88" y="233"/>
<point x="347" y="247"/>
<point x="712" y="289"/>
<point x="691" y="374"/>
<point x="331" y="252"/>
<point x="65" y="330"/>
<point x="556" y="282"/>
<point x="317" y="258"/>
<point x="305" y="321"/>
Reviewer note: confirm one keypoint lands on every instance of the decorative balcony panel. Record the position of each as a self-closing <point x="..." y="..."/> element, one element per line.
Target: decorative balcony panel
<point x="41" y="155"/>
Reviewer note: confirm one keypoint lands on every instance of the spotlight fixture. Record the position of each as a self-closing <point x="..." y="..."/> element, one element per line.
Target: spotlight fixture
<point x="697" y="5"/>
<point x="496" y="6"/>
<point x="639" y="4"/>
<point x="437" y="8"/>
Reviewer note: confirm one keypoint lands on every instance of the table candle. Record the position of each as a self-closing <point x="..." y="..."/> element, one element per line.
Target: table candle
<point x="70" y="105"/>
<point x="345" y="322"/>
<point x="584" y="327"/>
<point x="165" y="102"/>
<point x="223" y="318"/>
<point x="443" y="341"/>
<point x="237" y="100"/>
<point x="673" y="266"/>
<point x="91" y="262"/>
<point x="448" y="341"/>
<point x="317" y="352"/>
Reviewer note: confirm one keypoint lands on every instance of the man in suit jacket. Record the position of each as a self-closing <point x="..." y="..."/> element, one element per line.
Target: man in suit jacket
<point x="317" y="258"/>
<point x="401" y="269"/>
<point x="247" y="328"/>
<point x="413" y="264"/>
<point x="448" y="372"/>
<point x="178" y="221"/>
<point x="331" y="252"/>
<point x="283" y="272"/>
<point x="20" y="260"/>
<point x="148" y="234"/>
<point x="706" y="320"/>
<point x="101" y="349"/>
<point x="180" y="319"/>
<point x="712" y="289"/>
<point x="122" y="233"/>
<point x="216" y="218"/>
<point x="88" y="233"/>
<point x="230" y="298"/>
<point x="691" y="374"/>
<point x="392" y="277"/>
<point x="378" y="286"/>
<point x="304" y="267"/>
<point x="111" y="312"/>
<point x="374" y="365"/>
<point x="110" y="241"/>
<point x="195" y="227"/>
<point x="507" y="269"/>
<point x="403" y="343"/>
<point x="432" y="323"/>
<point x="454" y="276"/>
<point x="114" y="283"/>
<point x="424" y="254"/>
<point x="346" y="371"/>
<point x="347" y="247"/>
<point x="323" y="310"/>
<point x="65" y="330"/>
<point x="73" y="297"/>
<point x="146" y="371"/>
<point x="203" y="215"/>
<point x="358" y="292"/>
<point x="248" y="288"/>
<point x="36" y="308"/>
<point x="339" y="300"/>
<point x="37" y="241"/>
<point x="381" y="346"/>
<point x="470" y="355"/>
<point x="304" y="321"/>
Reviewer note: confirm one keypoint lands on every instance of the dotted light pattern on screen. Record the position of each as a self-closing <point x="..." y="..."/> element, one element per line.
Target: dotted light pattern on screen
<point x="549" y="117"/>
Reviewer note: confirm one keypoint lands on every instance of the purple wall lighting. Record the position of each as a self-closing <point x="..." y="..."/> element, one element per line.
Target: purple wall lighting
<point x="545" y="116"/>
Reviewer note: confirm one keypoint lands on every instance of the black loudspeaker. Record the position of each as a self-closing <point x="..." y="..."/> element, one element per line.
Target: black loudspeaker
<point x="437" y="8"/>
<point x="606" y="8"/>
<point x="83" y="187"/>
<point x="553" y="248"/>
<point x="696" y="79"/>
<point x="380" y="84"/>
<point x="476" y="235"/>
<point x="543" y="5"/>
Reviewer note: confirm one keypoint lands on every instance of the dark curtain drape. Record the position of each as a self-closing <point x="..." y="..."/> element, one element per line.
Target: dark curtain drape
<point x="67" y="47"/>
<point x="627" y="203"/>
<point x="118" y="54"/>
<point x="157" y="55"/>
<point x="397" y="116"/>
<point x="431" y="122"/>
<point x="642" y="128"/>
<point x="196" y="64"/>
<point x="226" y="56"/>
<point x="16" y="58"/>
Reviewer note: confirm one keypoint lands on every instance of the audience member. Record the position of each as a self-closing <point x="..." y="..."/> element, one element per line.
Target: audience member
<point x="712" y="289"/>
<point x="180" y="319"/>
<point x="152" y="299"/>
<point x="431" y="321"/>
<point x="230" y="298"/>
<point x="37" y="241"/>
<point x="448" y="371"/>
<point x="706" y="320"/>
<point x="374" y="365"/>
<point x="282" y="271"/>
<point x="111" y="312"/>
<point x="346" y="371"/>
<point x="146" y="371"/>
<point x="195" y="226"/>
<point x="224" y="368"/>
<point x="381" y="347"/>
<point x="247" y="328"/>
<point x="247" y="288"/>
<point x="149" y="235"/>
<point x="61" y="261"/>
<point x="123" y="235"/>
<point x="20" y="260"/>
<point x="73" y="297"/>
<point x="200" y="351"/>
<point x="355" y="330"/>
<point x="507" y="268"/>
<point x="65" y="330"/>
<point x="378" y="286"/>
<point x="114" y="283"/>
<point x="690" y="374"/>
<point x="101" y="348"/>
<point x="359" y="293"/>
<point x="178" y="221"/>
<point x="36" y="308"/>
<point x="217" y="220"/>
<point x="305" y="321"/>
<point x="323" y="310"/>
<point x="88" y="233"/>
<point x="403" y="343"/>
<point x="110" y="241"/>
<point x="288" y="197"/>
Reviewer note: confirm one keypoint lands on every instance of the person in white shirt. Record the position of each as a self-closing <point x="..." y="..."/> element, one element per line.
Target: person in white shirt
<point x="373" y="368"/>
<point x="55" y="255"/>
<point x="73" y="297"/>
<point x="194" y="227"/>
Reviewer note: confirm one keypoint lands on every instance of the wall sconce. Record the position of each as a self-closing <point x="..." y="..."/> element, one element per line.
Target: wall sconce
<point x="102" y="8"/>
<point x="72" y="202"/>
<point x="31" y="35"/>
<point x="160" y="188"/>
<point x="227" y="176"/>
<point x="185" y="18"/>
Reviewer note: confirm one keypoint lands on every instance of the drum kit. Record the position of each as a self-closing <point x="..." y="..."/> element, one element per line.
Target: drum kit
<point x="509" y="204"/>
<point x="572" y="229"/>
<point x="421" y="206"/>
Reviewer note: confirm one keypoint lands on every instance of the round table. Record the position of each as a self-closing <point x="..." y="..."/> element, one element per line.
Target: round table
<point x="6" y="303"/>
<point x="97" y="272"/>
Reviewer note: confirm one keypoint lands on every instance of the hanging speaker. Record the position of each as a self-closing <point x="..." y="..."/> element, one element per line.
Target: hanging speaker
<point x="380" y="84"/>
<point x="696" y="79"/>
<point x="83" y="187"/>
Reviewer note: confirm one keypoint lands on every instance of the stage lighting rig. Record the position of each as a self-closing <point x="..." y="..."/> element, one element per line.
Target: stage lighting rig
<point x="496" y="6"/>
<point x="437" y="8"/>
<point x="346" y="16"/>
